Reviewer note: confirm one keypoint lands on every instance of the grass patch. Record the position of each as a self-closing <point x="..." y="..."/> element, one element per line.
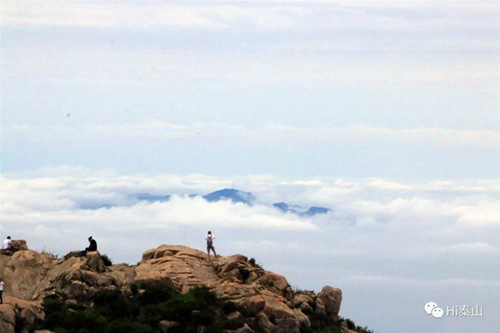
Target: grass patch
<point x="50" y="253"/>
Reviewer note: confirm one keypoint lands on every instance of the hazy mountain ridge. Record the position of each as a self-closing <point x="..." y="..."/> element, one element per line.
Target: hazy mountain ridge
<point x="238" y="196"/>
<point x="299" y="210"/>
<point x="233" y="195"/>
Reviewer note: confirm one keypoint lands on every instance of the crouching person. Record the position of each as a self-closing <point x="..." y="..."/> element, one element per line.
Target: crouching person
<point x="92" y="246"/>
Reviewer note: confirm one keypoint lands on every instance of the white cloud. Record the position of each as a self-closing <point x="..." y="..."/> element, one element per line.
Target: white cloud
<point x="483" y="213"/>
<point x="276" y="14"/>
<point x="47" y="200"/>
<point x="431" y="283"/>
<point x="386" y="44"/>
<point x="292" y="136"/>
<point x="466" y="248"/>
<point x="92" y="14"/>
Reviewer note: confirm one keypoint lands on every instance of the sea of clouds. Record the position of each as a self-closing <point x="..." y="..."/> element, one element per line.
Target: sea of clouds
<point x="390" y="246"/>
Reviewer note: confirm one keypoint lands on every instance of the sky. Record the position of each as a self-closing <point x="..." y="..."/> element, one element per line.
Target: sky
<point x="384" y="112"/>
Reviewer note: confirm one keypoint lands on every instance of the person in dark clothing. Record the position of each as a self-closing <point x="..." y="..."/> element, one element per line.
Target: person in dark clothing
<point x="92" y="246"/>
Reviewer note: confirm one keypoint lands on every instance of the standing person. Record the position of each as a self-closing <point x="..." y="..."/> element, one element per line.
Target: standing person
<point x="1" y="291"/>
<point x="7" y="243"/>
<point x="92" y="246"/>
<point x="210" y="244"/>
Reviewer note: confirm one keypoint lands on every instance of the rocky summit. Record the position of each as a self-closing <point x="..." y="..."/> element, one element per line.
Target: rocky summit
<point x="272" y="305"/>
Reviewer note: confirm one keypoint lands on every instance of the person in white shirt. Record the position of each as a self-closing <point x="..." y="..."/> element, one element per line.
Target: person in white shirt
<point x="210" y="244"/>
<point x="7" y="243"/>
<point x="1" y="291"/>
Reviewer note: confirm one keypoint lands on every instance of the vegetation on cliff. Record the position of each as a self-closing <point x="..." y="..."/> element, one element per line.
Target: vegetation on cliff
<point x="158" y="308"/>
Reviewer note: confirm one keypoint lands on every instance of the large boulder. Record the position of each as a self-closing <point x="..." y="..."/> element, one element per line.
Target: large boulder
<point x="95" y="262"/>
<point x="304" y="301"/>
<point x="7" y="317"/>
<point x="331" y="299"/>
<point x="30" y="275"/>
<point x="276" y="283"/>
<point x="25" y="274"/>
<point x="19" y="315"/>
<point x="274" y="312"/>
<point x="19" y="245"/>
<point x="73" y="254"/>
<point x="177" y="266"/>
<point x="81" y="277"/>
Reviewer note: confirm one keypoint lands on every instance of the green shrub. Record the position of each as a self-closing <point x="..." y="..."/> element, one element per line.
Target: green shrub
<point x="254" y="264"/>
<point x="296" y="290"/>
<point x="156" y="293"/>
<point x="196" y="307"/>
<point x="106" y="260"/>
<point x="246" y="312"/>
<point x="363" y="329"/>
<point x="112" y="304"/>
<point x="320" y="321"/>
<point x="204" y="295"/>
<point x="352" y="326"/>
<point x="229" y="307"/>
<point x="129" y="326"/>
<point x="68" y="320"/>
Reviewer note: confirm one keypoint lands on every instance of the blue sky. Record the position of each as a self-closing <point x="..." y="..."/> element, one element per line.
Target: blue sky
<point x="385" y="112"/>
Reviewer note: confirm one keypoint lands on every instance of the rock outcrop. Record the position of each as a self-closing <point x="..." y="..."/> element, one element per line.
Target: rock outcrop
<point x="30" y="276"/>
<point x="14" y="310"/>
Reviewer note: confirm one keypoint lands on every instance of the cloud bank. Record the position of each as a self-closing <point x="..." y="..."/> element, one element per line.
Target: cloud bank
<point x="106" y="199"/>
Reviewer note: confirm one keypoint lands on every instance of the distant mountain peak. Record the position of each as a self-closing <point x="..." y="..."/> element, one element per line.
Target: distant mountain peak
<point x="231" y="194"/>
<point x="294" y="209"/>
<point x="235" y="196"/>
<point x="316" y="210"/>
<point x="150" y="197"/>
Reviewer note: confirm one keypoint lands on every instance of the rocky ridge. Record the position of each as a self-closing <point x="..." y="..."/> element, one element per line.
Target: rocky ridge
<point x="30" y="276"/>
